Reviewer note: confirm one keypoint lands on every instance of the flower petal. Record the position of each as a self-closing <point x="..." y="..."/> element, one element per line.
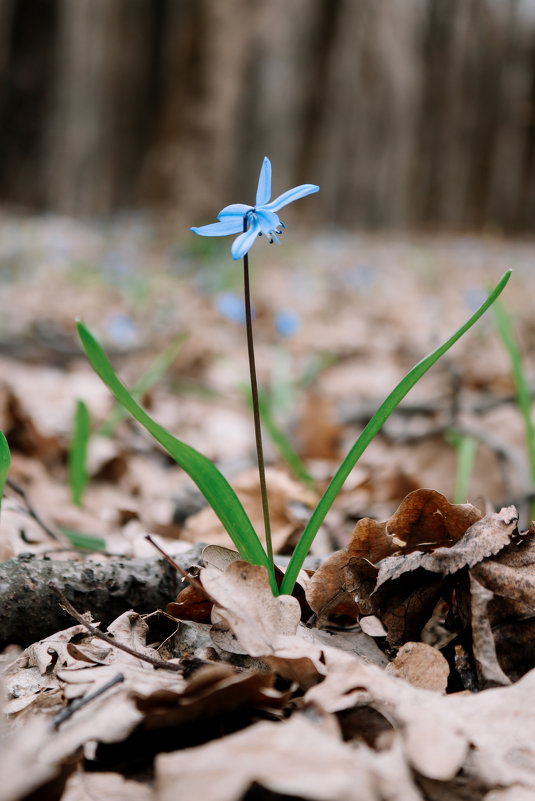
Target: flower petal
<point x="267" y="220"/>
<point x="242" y="244"/>
<point x="234" y="210"/>
<point x="263" y="192"/>
<point x="231" y="226"/>
<point x="291" y="195"/>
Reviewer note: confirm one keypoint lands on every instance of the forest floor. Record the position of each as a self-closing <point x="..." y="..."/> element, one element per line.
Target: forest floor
<point x="428" y="696"/>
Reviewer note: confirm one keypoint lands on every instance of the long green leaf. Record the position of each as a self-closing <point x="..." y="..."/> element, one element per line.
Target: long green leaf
<point x="5" y="461"/>
<point x="523" y="394"/>
<point x="78" y="452"/>
<point x="209" y="480"/>
<point x="373" y="427"/>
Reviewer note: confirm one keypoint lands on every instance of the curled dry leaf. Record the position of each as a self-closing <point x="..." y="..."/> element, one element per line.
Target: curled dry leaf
<point x="213" y="691"/>
<point x="409" y="586"/>
<point x="489" y="672"/>
<point x="484" y="538"/>
<point x="502" y="600"/>
<point x="425" y="519"/>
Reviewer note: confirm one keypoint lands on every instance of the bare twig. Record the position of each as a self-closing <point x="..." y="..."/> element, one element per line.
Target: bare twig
<point x="152" y="660"/>
<point x="69" y="711"/>
<point x="185" y="575"/>
<point x="31" y="511"/>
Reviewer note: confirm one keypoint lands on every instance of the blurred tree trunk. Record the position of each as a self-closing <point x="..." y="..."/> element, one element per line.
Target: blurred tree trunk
<point x="406" y="112"/>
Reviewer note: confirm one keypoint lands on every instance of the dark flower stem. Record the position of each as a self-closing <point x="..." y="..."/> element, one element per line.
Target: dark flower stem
<point x="256" y="405"/>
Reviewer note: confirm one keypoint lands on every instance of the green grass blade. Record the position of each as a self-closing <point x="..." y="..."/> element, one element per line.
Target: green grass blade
<point x="373" y="427"/>
<point x="466" y="447"/>
<point x="283" y="445"/>
<point x="156" y="371"/>
<point x="85" y="542"/>
<point x="209" y="480"/>
<point x="523" y="395"/>
<point x="5" y="461"/>
<point x="78" y="452"/>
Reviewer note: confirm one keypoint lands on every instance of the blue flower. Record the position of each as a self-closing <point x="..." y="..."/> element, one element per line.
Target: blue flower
<point x="260" y="219"/>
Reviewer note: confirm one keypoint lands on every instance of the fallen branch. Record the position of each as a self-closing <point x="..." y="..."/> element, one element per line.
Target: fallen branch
<point x="29" y="609"/>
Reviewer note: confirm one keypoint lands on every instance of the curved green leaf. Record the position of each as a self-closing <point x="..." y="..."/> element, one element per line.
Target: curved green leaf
<point x="5" y="460"/>
<point x="78" y="452"/>
<point x="373" y="427"/>
<point x="522" y="391"/>
<point x="204" y="473"/>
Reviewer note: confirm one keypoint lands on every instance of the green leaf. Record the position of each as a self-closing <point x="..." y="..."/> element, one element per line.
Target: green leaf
<point x="523" y="394"/>
<point x="78" y="452"/>
<point x="5" y="460"/>
<point x="209" y="480"/>
<point x="86" y="542"/>
<point x="373" y="427"/>
<point x="466" y="447"/>
<point x="144" y="384"/>
<point x="283" y="444"/>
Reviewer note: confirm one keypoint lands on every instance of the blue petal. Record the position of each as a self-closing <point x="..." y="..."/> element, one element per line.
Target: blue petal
<point x="231" y="226"/>
<point x="242" y="244"/>
<point x="291" y="195"/>
<point x="234" y="210"/>
<point x="263" y="192"/>
<point x="267" y="220"/>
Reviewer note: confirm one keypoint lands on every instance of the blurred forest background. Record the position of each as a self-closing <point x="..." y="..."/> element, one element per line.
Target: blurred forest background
<point x="407" y="113"/>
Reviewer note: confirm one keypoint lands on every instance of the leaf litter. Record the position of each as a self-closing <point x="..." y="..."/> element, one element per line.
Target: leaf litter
<point x="405" y="668"/>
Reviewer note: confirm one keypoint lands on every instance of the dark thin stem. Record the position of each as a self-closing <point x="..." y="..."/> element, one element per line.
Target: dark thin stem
<point x="256" y="405"/>
<point x="157" y="663"/>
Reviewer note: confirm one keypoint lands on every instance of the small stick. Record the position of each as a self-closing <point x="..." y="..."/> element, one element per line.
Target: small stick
<point x="152" y="660"/>
<point x="192" y="580"/>
<point x="69" y="711"/>
<point x="31" y="511"/>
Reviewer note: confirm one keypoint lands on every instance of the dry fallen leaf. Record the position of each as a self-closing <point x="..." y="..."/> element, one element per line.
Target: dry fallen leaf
<point x="213" y="692"/>
<point x="247" y="605"/>
<point x="484" y="538"/>
<point x="84" y="786"/>
<point x="421" y="665"/>
<point x="425" y="519"/>
<point x="302" y="758"/>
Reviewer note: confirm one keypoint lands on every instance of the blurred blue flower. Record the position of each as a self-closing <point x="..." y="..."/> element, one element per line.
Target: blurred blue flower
<point x="287" y="323"/>
<point x="122" y="330"/>
<point x="231" y="306"/>
<point x="260" y="219"/>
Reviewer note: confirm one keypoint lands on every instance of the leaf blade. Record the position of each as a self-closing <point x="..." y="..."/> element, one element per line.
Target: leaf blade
<point x="5" y="461"/>
<point x="209" y="480"/>
<point x="373" y="427"/>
